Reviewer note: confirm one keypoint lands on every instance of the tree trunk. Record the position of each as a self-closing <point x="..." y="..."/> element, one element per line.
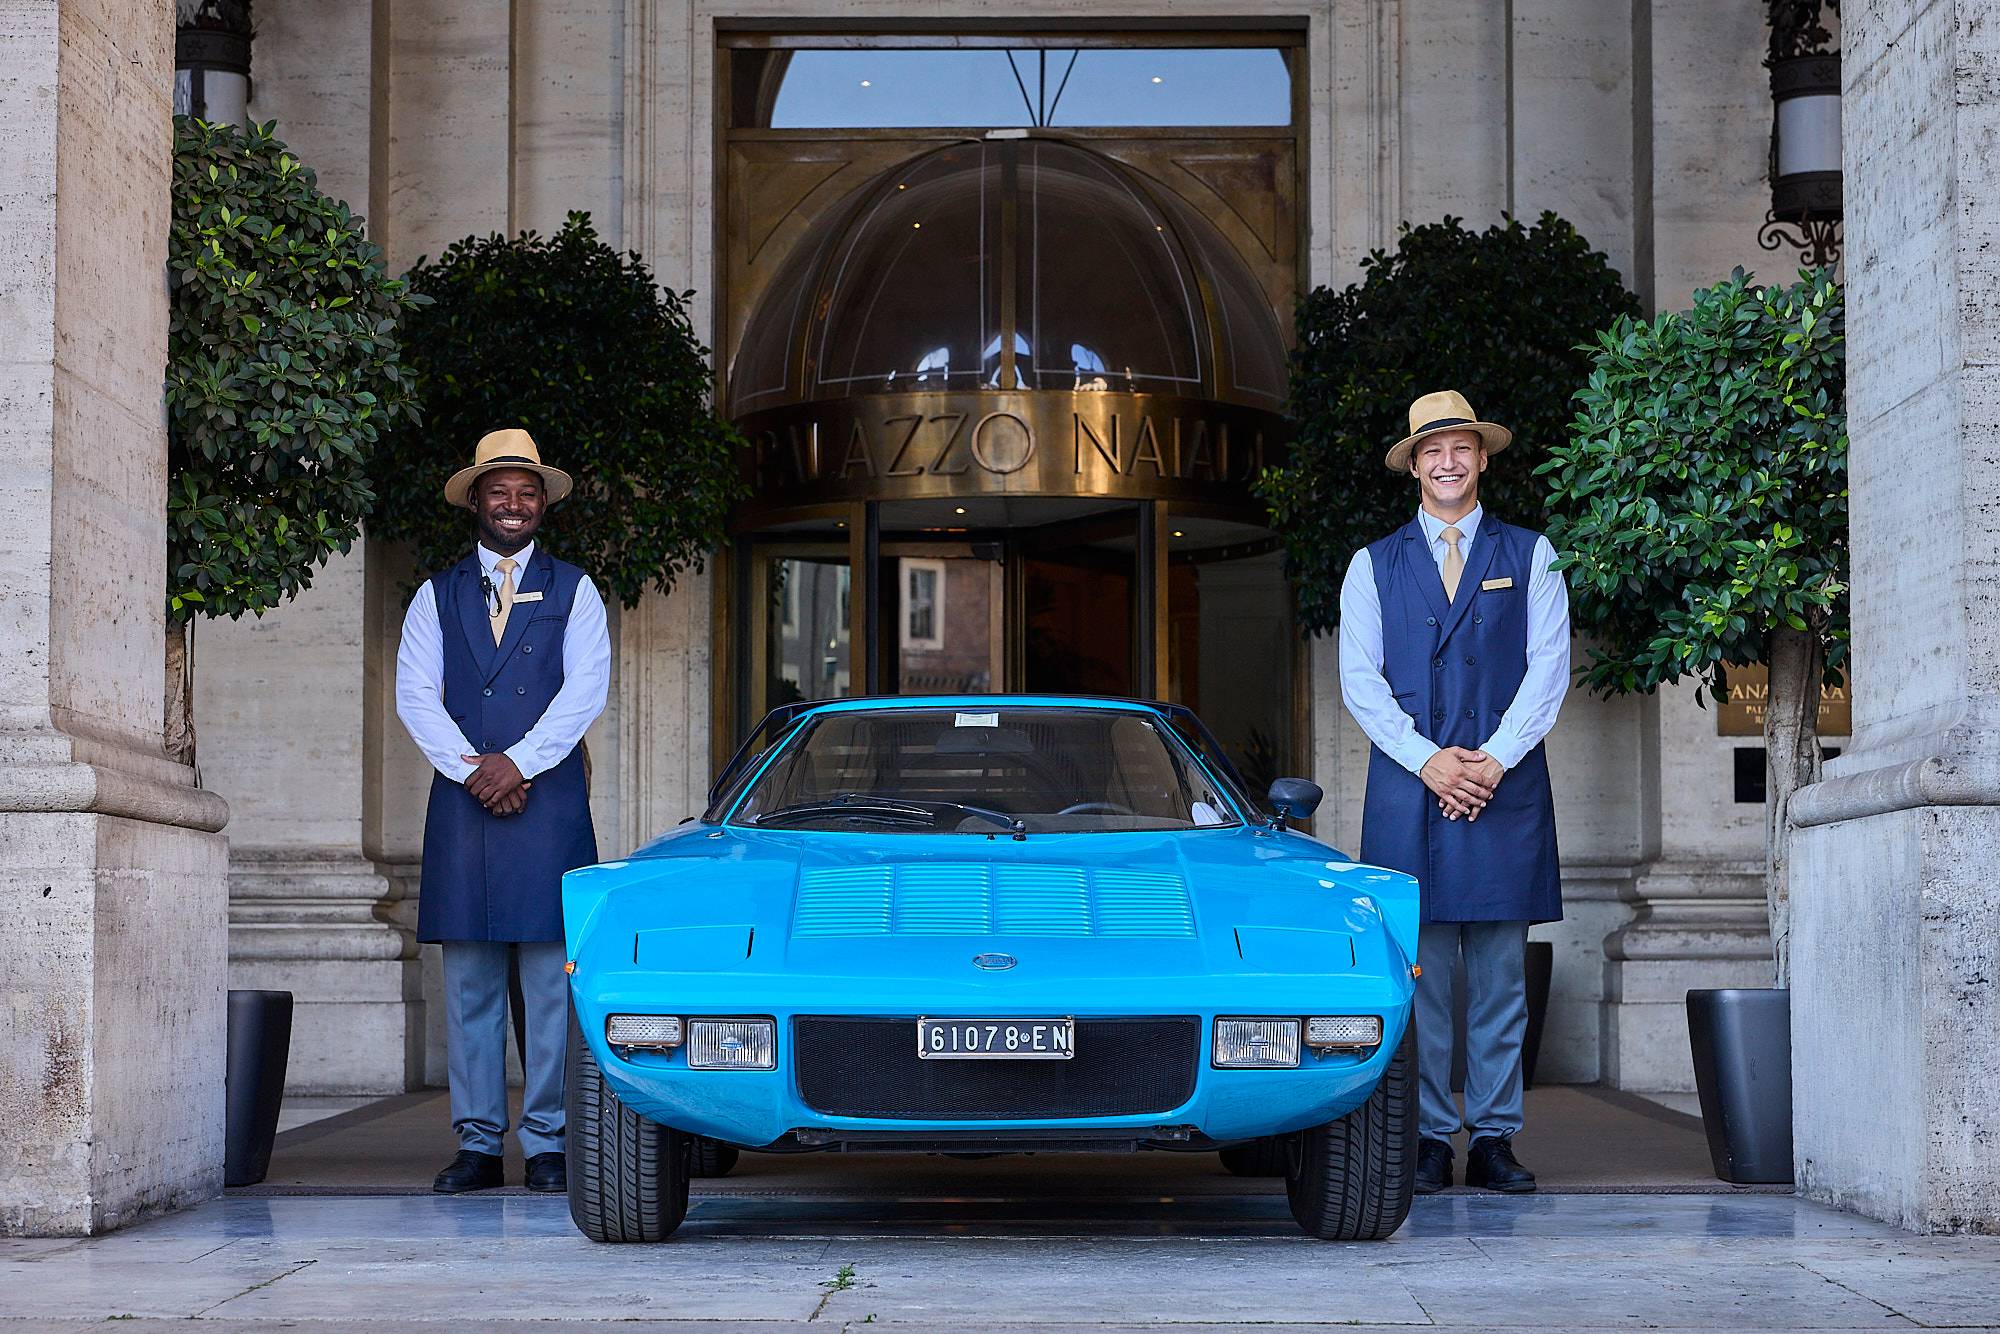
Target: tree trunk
<point x="180" y="692"/>
<point x="1792" y="754"/>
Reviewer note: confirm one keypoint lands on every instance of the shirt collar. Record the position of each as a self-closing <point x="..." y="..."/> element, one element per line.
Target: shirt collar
<point x="489" y="559"/>
<point x="1468" y="527"/>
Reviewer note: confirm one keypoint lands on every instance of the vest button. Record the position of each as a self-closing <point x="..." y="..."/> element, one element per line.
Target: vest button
<point x="488" y="692"/>
<point x="1468" y="713"/>
<point x="1432" y="620"/>
<point x="1479" y="620"/>
<point x="1438" y="663"/>
<point x="520" y="690"/>
<point x="1468" y="660"/>
<point x="1437" y="715"/>
<point x="527" y="648"/>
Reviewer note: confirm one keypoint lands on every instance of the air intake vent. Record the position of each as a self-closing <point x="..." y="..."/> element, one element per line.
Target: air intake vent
<point x="973" y="898"/>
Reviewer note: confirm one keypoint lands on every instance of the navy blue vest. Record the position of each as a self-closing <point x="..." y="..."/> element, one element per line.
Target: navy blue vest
<point x="489" y="877"/>
<point x="1454" y="668"/>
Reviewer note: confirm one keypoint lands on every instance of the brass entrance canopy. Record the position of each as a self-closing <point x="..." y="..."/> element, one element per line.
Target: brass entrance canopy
<point x="1013" y="315"/>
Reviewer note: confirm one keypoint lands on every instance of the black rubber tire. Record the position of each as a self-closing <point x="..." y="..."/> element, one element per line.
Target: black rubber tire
<point x="1270" y="1156"/>
<point x="628" y="1177"/>
<point x="711" y="1157"/>
<point x="1353" y="1179"/>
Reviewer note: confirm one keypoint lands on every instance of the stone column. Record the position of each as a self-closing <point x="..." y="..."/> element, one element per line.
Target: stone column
<point x="111" y="962"/>
<point x="1896" y="918"/>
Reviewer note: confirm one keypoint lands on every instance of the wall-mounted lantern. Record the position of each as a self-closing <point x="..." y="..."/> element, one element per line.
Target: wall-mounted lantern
<point x="1805" y="131"/>
<point x="212" y="60"/>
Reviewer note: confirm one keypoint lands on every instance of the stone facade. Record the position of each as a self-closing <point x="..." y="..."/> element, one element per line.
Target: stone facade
<point x="1646" y="125"/>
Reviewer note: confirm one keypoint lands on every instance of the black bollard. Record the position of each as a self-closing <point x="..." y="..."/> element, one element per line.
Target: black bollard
<point x="260" y="1045"/>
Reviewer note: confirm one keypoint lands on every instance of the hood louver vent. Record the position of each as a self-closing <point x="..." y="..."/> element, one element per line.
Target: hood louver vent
<point x="974" y="899"/>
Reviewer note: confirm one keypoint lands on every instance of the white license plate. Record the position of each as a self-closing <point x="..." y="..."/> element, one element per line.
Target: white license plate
<point x="996" y="1039"/>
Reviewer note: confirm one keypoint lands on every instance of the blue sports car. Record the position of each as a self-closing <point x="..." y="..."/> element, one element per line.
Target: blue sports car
<point x="991" y="923"/>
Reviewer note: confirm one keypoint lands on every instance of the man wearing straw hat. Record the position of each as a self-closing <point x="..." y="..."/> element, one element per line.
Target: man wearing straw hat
<point x="504" y="664"/>
<point x="1454" y="658"/>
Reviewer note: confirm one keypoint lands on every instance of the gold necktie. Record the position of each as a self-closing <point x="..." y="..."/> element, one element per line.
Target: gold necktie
<point x="1454" y="563"/>
<point x="506" y="568"/>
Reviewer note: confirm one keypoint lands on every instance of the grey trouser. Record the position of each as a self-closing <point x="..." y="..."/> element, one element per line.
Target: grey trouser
<point x="475" y="1009"/>
<point x="1496" y="1019"/>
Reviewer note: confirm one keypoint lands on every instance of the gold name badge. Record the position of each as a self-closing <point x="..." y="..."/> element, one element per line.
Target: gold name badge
<point x="1496" y="583"/>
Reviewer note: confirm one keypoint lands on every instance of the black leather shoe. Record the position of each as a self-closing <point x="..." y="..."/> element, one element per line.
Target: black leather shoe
<point x="470" y="1170"/>
<point x="1490" y="1162"/>
<point x="1433" y="1166"/>
<point x="548" y="1173"/>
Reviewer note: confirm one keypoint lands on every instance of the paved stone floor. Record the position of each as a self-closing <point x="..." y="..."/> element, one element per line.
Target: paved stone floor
<point x="1221" y="1261"/>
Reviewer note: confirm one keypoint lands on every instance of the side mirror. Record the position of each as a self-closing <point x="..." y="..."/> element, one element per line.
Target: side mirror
<point x="1295" y="798"/>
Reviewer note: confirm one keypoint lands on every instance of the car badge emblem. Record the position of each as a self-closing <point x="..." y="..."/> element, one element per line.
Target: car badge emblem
<point x="994" y="962"/>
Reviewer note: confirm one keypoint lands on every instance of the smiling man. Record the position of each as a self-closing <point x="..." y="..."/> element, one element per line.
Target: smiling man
<point x="504" y="665"/>
<point x="1454" y="658"/>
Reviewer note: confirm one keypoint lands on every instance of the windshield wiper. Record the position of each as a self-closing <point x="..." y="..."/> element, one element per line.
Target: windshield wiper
<point x="892" y="810"/>
<point x="856" y="806"/>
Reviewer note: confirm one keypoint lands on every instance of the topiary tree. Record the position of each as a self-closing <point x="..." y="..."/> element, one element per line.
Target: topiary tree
<point x="283" y="367"/>
<point x="1497" y="315"/>
<point x="1700" y="508"/>
<point x="568" y="338"/>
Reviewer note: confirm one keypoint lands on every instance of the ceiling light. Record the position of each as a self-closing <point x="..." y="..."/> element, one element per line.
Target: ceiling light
<point x="1179" y="533"/>
<point x="916" y="224"/>
<point x="958" y="509"/>
<point x="866" y="84"/>
<point x="1156" y="78"/>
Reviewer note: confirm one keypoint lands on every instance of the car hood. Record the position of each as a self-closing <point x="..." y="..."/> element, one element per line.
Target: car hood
<point x="1078" y="907"/>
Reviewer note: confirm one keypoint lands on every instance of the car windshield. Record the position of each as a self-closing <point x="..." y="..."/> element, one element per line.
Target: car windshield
<point x="994" y="771"/>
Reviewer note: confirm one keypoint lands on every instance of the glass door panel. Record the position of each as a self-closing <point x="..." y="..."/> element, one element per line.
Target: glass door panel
<point x="1079" y="594"/>
<point x="947" y="632"/>
<point x="804" y="653"/>
<point x="1230" y="646"/>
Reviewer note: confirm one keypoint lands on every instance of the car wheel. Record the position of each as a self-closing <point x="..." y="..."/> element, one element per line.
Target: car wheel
<point x="1267" y="1157"/>
<point x="628" y="1177"/>
<point x="711" y="1158"/>
<point x="1354" y="1178"/>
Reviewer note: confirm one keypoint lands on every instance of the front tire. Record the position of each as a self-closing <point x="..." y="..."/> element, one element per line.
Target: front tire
<point x="1353" y="1179"/>
<point x="628" y="1177"/>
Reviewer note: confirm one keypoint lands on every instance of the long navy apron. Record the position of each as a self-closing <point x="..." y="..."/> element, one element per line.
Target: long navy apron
<point x="490" y="877"/>
<point x="1454" y="668"/>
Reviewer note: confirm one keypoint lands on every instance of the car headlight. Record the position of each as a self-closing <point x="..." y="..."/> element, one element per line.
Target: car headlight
<point x="1257" y="1044"/>
<point x="732" y="1044"/>
<point x="1344" y="1032"/>
<point x="653" y="1031"/>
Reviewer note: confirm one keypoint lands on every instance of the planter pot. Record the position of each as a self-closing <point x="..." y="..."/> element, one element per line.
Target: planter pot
<point x="1742" y="1041"/>
<point x="260" y="1044"/>
<point x="1540" y="963"/>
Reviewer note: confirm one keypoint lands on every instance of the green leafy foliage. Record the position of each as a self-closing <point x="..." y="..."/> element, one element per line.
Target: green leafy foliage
<point x="283" y="368"/>
<point x="1497" y="315"/>
<point x="1700" y="501"/>
<point x="564" y="336"/>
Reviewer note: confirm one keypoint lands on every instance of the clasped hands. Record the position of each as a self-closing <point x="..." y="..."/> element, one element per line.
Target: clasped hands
<point x="1464" y="780"/>
<point x="497" y="784"/>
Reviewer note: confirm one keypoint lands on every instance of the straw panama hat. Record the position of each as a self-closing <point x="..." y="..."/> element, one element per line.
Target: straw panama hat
<point x="1446" y="410"/>
<point x="511" y="448"/>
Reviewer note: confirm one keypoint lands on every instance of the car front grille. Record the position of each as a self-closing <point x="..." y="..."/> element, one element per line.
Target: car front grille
<point x="870" y="1067"/>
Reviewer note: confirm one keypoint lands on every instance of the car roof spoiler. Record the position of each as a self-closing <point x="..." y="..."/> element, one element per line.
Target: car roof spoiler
<point x="775" y="724"/>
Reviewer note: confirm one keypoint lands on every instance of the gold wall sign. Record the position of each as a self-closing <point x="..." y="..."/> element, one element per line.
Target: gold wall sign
<point x="1009" y="442"/>
<point x="1749" y="689"/>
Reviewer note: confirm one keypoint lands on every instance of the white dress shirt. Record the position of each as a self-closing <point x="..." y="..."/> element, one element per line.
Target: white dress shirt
<point x="586" y="680"/>
<point x="1539" y="697"/>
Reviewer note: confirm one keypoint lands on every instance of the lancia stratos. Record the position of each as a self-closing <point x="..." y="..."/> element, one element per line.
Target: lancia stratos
<point x="990" y="924"/>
